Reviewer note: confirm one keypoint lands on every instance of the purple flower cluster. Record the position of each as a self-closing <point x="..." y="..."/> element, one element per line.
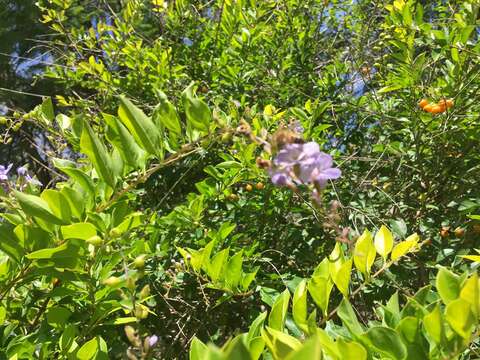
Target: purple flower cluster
<point x="297" y="164"/>
<point x="23" y="176"/>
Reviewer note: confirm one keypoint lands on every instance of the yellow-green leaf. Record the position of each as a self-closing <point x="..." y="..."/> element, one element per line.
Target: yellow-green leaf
<point x="404" y="247"/>
<point x="364" y="253"/>
<point x="383" y="241"/>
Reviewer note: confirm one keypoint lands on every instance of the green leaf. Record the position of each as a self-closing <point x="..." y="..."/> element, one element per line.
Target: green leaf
<point x="364" y="253"/>
<point x="460" y="317"/>
<point x="140" y="126"/>
<point x="299" y="308"/>
<point x="118" y="135"/>
<point x="311" y="349"/>
<point x="383" y="242"/>
<point x="448" y="285"/>
<point x="76" y="200"/>
<point x="279" y="343"/>
<point x="319" y="288"/>
<point x="470" y="292"/>
<point x="329" y="346"/>
<point x="9" y="243"/>
<point x="233" y="271"/>
<point x="408" y="328"/>
<point x="198" y="113"/>
<point x="3" y="315"/>
<point x="58" y="204"/>
<point x="278" y="314"/>
<point x="236" y="349"/>
<point x="98" y="155"/>
<point x="69" y="168"/>
<point x="404" y="247"/>
<point x="349" y="319"/>
<point x="35" y="206"/>
<point x="351" y="350"/>
<point x="256" y="326"/>
<point x="82" y="231"/>
<point x="166" y="115"/>
<point x="387" y="341"/>
<point x="434" y="325"/>
<point x="58" y="316"/>
<point x="217" y="265"/>
<point x="342" y="277"/>
<point x="46" y="110"/>
<point x="198" y="350"/>
<point x="88" y="350"/>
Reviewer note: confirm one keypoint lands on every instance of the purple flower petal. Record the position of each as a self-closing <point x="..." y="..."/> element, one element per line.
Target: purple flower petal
<point x="152" y="340"/>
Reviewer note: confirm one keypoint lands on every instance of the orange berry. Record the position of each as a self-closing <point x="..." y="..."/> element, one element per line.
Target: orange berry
<point x="423" y="103"/>
<point x="437" y="109"/>
<point x="233" y="197"/>
<point x="448" y="103"/>
<point x="249" y="187"/>
<point x="428" y="107"/>
<point x="444" y="231"/>
<point x="459" y="232"/>
<point x="260" y="186"/>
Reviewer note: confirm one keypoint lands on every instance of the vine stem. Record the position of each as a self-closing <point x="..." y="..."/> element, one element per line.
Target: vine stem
<point x="186" y="151"/>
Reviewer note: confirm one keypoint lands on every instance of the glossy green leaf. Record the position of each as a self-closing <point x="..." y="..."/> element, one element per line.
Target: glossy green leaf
<point x="140" y="126"/>
<point x="118" y="135"/>
<point x="166" y="114"/>
<point x="471" y="292"/>
<point x="69" y="168"/>
<point x="58" y="204"/>
<point x="404" y="247"/>
<point x="342" y="277"/>
<point x="96" y="151"/>
<point x="82" y="231"/>
<point x="233" y="270"/>
<point x="383" y="241"/>
<point x="351" y="350"/>
<point x="35" y="206"/>
<point x="387" y="341"/>
<point x="88" y="350"/>
<point x="349" y="319"/>
<point x="364" y="253"/>
<point x="198" y="113"/>
<point x="198" y="350"/>
<point x="320" y="288"/>
<point x="278" y="314"/>
<point x="434" y="325"/>
<point x="279" y="343"/>
<point x="311" y="349"/>
<point x="448" y="285"/>
<point x="460" y="317"/>
<point x="299" y="308"/>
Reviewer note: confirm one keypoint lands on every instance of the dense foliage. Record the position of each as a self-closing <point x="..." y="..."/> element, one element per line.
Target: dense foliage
<point x="242" y="179"/>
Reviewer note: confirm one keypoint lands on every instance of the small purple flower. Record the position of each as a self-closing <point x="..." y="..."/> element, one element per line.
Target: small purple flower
<point x="303" y="164"/>
<point x="32" y="181"/>
<point x="187" y="41"/>
<point x="152" y="340"/>
<point x="4" y="172"/>
<point x="22" y="171"/>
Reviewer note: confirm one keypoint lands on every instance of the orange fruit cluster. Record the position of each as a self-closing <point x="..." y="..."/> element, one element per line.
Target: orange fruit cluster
<point x="437" y="108"/>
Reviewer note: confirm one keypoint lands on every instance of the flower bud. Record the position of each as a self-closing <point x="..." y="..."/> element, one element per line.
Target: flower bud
<point x="132" y="336"/>
<point x="145" y="292"/>
<point x="130" y="283"/>
<point x="141" y="312"/>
